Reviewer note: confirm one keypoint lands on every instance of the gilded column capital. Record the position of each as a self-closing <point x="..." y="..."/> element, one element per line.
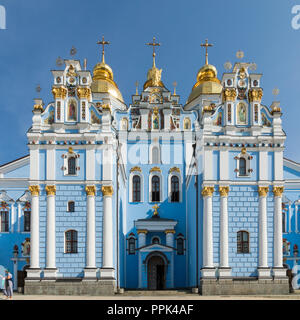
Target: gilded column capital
<point x="169" y="231"/>
<point x="207" y="191"/>
<point x="229" y="94"/>
<point x="34" y="190"/>
<point x="278" y="191"/>
<point x="255" y="95"/>
<point x="83" y="93"/>
<point x="107" y="191"/>
<point x="50" y="190"/>
<point x="38" y="107"/>
<point x="263" y="191"/>
<point x="224" y="191"/>
<point x="59" y="92"/>
<point x="90" y="190"/>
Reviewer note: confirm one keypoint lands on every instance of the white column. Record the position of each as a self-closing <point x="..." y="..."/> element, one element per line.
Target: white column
<point x="15" y="280"/>
<point x="107" y="270"/>
<point x="224" y="269"/>
<point x="19" y="217"/>
<point x="278" y="270"/>
<point x="34" y="271"/>
<point x="50" y="271"/>
<point x="290" y="218"/>
<point x="13" y="217"/>
<point x="296" y="218"/>
<point x="263" y="270"/>
<point x="208" y="269"/>
<point x="170" y="238"/>
<point x="142" y="238"/>
<point x="90" y="269"/>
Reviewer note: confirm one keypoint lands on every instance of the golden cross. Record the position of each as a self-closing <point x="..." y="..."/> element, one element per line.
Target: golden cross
<point x="103" y="43"/>
<point x="175" y="85"/>
<point x="155" y="207"/>
<point x="153" y="44"/>
<point x="206" y="45"/>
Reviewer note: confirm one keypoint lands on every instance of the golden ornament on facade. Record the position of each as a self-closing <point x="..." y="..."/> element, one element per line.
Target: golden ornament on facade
<point x="170" y="231"/>
<point x="90" y="190"/>
<point x="34" y="190"/>
<point x="275" y="109"/>
<point x="255" y="95"/>
<point x="37" y="107"/>
<point x="207" y="191"/>
<point x="107" y="191"/>
<point x="244" y="151"/>
<point x="136" y="169"/>
<point x="174" y="169"/>
<point x="50" y="190"/>
<point x="263" y="191"/>
<point x="106" y="107"/>
<point x="207" y="108"/>
<point x="155" y="169"/>
<point x="59" y="92"/>
<point x="229" y="95"/>
<point x="142" y="231"/>
<point x="71" y="71"/>
<point x="278" y="191"/>
<point x="84" y="93"/>
<point x="155" y="207"/>
<point x="224" y="191"/>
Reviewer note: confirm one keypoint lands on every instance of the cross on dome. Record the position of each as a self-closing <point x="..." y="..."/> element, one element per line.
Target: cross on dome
<point x="103" y="43"/>
<point x="206" y="45"/>
<point x="153" y="44"/>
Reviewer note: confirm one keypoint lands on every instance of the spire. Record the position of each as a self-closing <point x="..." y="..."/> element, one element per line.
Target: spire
<point x="206" y="45"/>
<point x="103" y="43"/>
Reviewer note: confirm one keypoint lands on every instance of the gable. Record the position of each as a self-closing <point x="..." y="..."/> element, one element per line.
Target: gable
<point x="19" y="168"/>
<point x="291" y="169"/>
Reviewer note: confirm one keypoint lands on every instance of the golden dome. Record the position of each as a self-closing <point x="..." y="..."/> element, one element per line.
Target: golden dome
<point x="153" y="76"/>
<point x="207" y="82"/>
<point x="103" y="80"/>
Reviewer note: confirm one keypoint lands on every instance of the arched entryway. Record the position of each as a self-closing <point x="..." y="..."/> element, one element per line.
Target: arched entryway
<point x="157" y="268"/>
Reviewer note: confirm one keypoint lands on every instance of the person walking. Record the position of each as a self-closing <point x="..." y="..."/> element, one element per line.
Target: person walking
<point x="8" y="285"/>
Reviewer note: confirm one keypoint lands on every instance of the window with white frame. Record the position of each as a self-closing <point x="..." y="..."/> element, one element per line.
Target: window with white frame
<point x="155" y="189"/>
<point x="71" y="206"/>
<point x="136" y="185"/>
<point x="131" y="245"/>
<point x="243" y="239"/>
<point x="71" y="163"/>
<point x="136" y="188"/>
<point x="243" y="164"/>
<point x="4" y="220"/>
<point x="71" y="239"/>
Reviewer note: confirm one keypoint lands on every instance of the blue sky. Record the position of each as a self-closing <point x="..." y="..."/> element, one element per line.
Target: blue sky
<point x="39" y="31"/>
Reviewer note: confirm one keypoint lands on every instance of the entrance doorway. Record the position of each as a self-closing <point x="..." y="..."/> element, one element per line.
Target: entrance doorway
<point x="21" y="277"/>
<point x="156" y="273"/>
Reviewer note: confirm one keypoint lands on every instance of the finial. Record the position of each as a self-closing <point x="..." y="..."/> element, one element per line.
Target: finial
<point x="153" y="44"/>
<point x="73" y="51"/>
<point x="84" y="64"/>
<point x="136" y="88"/>
<point x="59" y="62"/>
<point x="275" y="92"/>
<point x="227" y="65"/>
<point x="103" y="43"/>
<point x="175" y="85"/>
<point x="206" y="45"/>
<point x="240" y="54"/>
<point x="38" y="90"/>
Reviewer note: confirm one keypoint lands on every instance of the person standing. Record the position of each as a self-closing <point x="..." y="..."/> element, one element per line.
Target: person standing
<point x="8" y="285"/>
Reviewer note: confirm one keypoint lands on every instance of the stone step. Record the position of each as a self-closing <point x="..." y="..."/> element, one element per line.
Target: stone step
<point x="156" y="292"/>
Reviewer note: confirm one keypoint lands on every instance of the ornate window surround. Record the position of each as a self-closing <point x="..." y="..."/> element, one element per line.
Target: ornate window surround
<point x="132" y="174"/>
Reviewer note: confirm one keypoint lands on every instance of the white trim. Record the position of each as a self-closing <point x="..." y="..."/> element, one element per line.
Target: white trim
<point x="152" y="146"/>
<point x="132" y="174"/>
<point x="161" y="184"/>
<point x="178" y="175"/>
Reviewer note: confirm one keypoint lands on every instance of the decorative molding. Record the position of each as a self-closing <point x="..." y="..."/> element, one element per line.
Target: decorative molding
<point x="224" y="191"/>
<point x="59" y="92"/>
<point x="155" y="169"/>
<point x="255" y="95"/>
<point x="107" y="191"/>
<point x="90" y="190"/>
<point x="263" y="191"/>
<point x="207" y="191"/>
<point x="106" y="107"/>
<point x="50" y="190"/>
<point x="142" y="231"/>
<point x="83" y="93"/>
<point x="229" y="95"/>
<point x="174" y="169"/>
<point x="170" y="231"/>
<point x="278" y="191"/>
<point x="136" y="169"/>
<point x="38" y="107"/>
<point x="34" y="190"/>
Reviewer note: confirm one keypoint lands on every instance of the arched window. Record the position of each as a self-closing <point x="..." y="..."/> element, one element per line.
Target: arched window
<point x="242" y="167"/>
<point x="27" y="220"/>
<point x="156" y="240"/>
<point x="71" y="206"/>
<point x="131" y="245"/>
<point x="155" y="189"/>
<point x="243" y="242"/>
<point x="71" y="165"/>
<point x="174" y="189"/>
<point x="71" y="241"/>
<point x="4" y="220"/>
<point x="136" y="189"/>
<point x="155" y="155"/>
<point x="180" y="246"/>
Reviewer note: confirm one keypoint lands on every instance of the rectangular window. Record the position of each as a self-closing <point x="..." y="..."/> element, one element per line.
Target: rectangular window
<point x="26" y="221"/>
<point x="71" y="206"/>
<point x="4" y="221"/>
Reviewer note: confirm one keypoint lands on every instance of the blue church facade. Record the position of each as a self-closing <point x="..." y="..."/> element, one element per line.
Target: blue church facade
<point x="155" y="195"/>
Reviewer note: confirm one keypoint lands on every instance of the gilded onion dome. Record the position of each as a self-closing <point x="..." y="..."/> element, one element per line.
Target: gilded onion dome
<point x="207" y="81"/>
<point x="103" y="80"/>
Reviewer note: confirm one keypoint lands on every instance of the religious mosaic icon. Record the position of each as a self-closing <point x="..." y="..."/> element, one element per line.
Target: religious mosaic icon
<point x="241" y="114"/>
<point x="72" y="110"/>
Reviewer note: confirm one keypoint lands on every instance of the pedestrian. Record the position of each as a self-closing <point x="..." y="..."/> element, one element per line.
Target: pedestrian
<point x="8" y="285"/>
